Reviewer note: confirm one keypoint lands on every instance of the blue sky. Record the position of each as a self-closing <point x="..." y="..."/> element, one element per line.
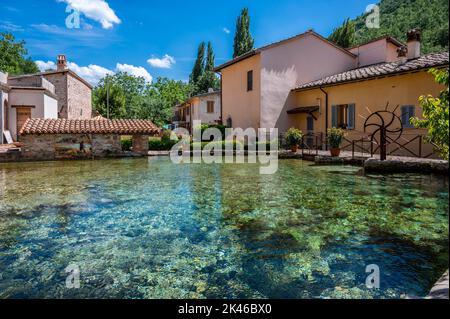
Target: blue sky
<point x="159" y="38"/>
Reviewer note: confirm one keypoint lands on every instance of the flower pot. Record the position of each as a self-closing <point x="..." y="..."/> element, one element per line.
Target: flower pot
<point x="335" y="152"/>
<point x="294" y="148"/>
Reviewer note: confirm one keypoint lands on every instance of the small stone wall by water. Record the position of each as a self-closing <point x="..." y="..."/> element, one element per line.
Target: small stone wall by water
<point x="406" y="165"/>
<point x="69" y="146"/>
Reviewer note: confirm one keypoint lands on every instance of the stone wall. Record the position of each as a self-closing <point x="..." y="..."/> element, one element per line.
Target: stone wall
<point x="106" y="145"/>
<point x="140" y="144"/>
<point x="79" y="99"/>
<point x="70" y="146"/>
<point x="38" y="147"/>
<point x="59" y="80"/>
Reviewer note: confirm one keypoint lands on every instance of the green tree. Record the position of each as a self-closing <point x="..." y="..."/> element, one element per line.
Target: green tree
<point x="131" y="97"/>
<point x="210" y="58"/>
<point x="208" y="79"/>
<point x="161" y="97"/>
<point x="436" y="115"/>
<point x="13" y="58"/>
<point x="399" y="16"/>
<point x="133" y="88"/>
<point x="344" y="36"/>
<point x="199" y="66"/>
<point x="109" y="100"/>
<point x="243" y="41"/>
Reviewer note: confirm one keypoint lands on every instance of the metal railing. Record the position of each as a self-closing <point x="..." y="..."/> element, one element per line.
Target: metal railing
<point x="360" y="145"/>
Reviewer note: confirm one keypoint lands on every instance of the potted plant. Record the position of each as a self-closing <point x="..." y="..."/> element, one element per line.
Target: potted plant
<point x="335" y="138"/>
<point x="294" y="137"/>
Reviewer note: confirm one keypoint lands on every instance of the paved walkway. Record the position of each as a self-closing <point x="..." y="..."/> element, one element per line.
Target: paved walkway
<point x="348" y="154"/>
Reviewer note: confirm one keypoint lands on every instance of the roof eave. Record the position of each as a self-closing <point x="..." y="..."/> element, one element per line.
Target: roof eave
<point x="236" y="60"/>
<point x="275" y="44"/>
<point x="315" y="87"/>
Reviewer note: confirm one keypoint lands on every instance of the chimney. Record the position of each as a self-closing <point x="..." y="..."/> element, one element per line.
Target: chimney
<point x="61" y="63"/>
<point x="413" y="42"/>
<point x="402" y="54"/>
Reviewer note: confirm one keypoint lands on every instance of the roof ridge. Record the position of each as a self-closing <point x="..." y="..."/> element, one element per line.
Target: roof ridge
<point x="379" y="69"/>
<point x="88" y="126"/>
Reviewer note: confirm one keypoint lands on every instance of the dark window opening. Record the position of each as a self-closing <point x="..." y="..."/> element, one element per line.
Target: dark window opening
<point x="408" y="112"/>
<point x="249" y="81"/>
<point x="210" y="107"/>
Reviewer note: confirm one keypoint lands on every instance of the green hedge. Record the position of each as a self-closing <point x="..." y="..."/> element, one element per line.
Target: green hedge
<point x="160" y="145"/>
<point x="222" y="144"/>
<point x="127" y="143"/>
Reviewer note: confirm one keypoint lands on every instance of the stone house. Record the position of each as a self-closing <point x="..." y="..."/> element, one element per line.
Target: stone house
<point x="49" y="95"/>
<point x="73" y="92"/>
<point x="57" y="139"/>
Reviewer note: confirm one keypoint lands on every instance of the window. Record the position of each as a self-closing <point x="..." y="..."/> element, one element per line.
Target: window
<point x="408" y="112"/>
<point x="210" y="107"/>
<point x="188" y="111"/>
<point x="249" y="81"/>
<point x="310" y="124"/>
<point x="343" y="116"/>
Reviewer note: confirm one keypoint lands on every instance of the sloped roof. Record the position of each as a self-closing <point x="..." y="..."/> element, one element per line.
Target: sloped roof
<point x="258" y="50"/>
<point x="380" y="70"/>
<point x="91" y="126"/>
<point x="388" y="38"/>
<point x="52" y="72"/>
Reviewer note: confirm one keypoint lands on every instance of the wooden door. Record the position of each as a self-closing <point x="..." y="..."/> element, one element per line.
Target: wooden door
<point x="23" y="114"/>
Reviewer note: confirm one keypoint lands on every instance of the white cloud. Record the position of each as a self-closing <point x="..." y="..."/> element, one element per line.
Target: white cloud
<point x="10" y="27"/>
<point x="226" y="30"/>
<point x="91" y="73"/>
<point x="165" y="62"/>
<point x="94" y="73"/>
<point x="44" y="66"/>
<point x="98" y="10"/>
<point x="138" y="71"/>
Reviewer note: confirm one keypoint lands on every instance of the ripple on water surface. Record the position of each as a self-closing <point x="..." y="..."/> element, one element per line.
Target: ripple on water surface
<point x="140" y="228"/>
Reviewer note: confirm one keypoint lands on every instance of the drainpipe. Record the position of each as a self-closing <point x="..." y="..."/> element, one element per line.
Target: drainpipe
<point x="221" y="97"/>
<point x="326" y="117"/>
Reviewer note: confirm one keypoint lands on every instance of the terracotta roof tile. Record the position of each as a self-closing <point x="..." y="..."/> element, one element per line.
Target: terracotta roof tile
<point x="383" y="69"/>
<point x="92" y="126"/>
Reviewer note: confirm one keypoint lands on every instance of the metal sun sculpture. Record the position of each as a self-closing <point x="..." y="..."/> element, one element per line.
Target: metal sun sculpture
<point x="381" y="123"/>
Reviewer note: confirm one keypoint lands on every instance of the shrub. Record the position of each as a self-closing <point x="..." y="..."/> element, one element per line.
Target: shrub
<point x="436" y="115"/>
<point x="218" y="145"/>
<point x="293" y="136"/>
<point x="161" y="145"/>
<point x="335" y="137"/>
<point x="204" y="127"/>
<point x="127" y="143"/>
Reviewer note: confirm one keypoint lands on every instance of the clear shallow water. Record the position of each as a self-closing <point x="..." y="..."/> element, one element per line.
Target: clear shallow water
<point x="140" y="228"/>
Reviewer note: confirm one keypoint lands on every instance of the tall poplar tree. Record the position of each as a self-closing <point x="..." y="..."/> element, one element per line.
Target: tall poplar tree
<point x="199" y="66"/>
<point x="243" y="41"/>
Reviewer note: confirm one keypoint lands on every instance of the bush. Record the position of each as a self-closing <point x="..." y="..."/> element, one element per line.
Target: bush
<point x="218" y="145"/>
<point x="161" y="145"/>
<point x="127" y="143"/>
<point x="335" y="137"/>
<point x="294" y="137"/>
<point x="204" y="127"/>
